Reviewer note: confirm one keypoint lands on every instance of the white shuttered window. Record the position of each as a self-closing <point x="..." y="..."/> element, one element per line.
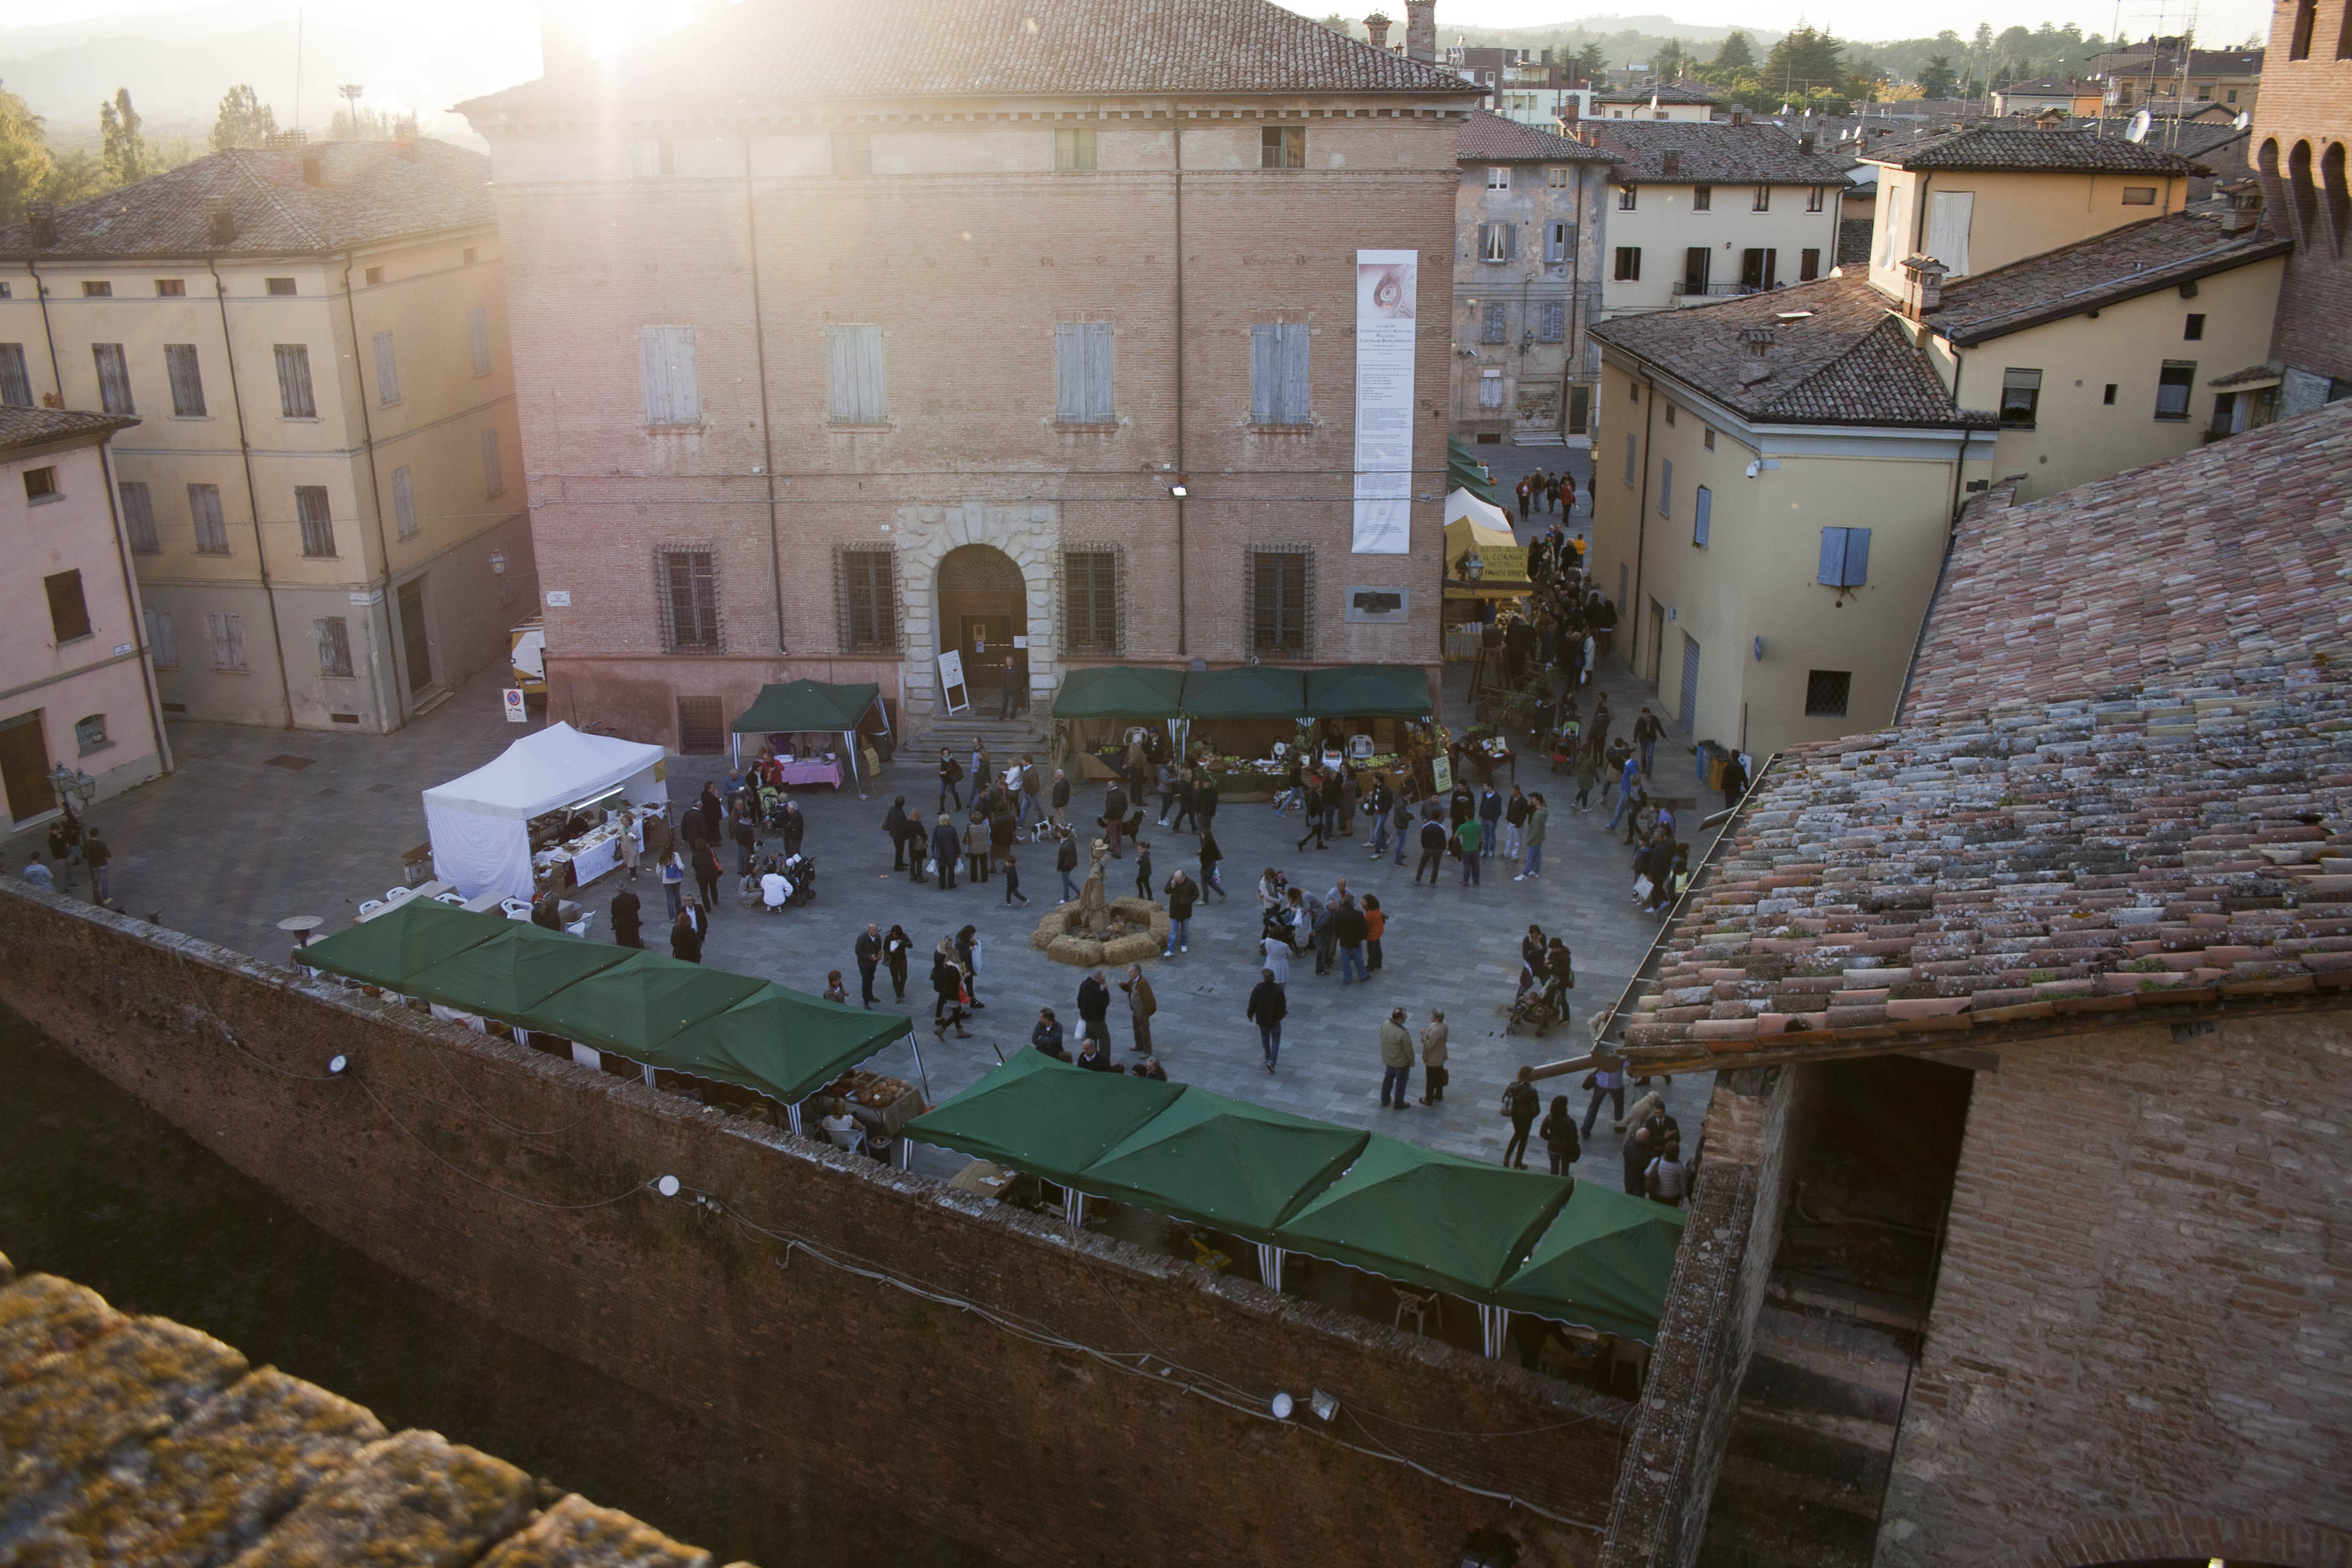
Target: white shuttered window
<point x="187" y="380"/>
<point x="387" y="372"/>
<point x="403" y="503"/>
<point x="477" y="332"/>
<point x="1082" y="373"/>
<point x="229" y="640"/>
<point x="853" y="366"/>
<point x="673" y="396"/>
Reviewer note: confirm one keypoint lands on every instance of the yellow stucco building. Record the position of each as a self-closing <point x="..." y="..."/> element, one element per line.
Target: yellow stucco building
<point x="325" y="494"/>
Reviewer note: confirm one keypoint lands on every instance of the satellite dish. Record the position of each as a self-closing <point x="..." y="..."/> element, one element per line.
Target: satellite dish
<point x="2137" y="130"/>
<point x="2245" y="117"/>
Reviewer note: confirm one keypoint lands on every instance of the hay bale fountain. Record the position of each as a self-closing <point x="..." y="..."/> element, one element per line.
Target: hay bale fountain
<point x="1097" y="931"/>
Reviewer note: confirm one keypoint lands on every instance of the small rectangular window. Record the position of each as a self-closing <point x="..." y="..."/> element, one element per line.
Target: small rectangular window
<point x="1631" y="459"/>
<point x="374" y="276"/>
<point x="2174" y="386"/>
<point x="387" y="372"/>
<point x="227" y="638"/>
<point x="1666" y="486"/>
<point x="1279" y="363"/>
<point x="1281" y="147"/>
<point x="666" y="358"/>
<point x="138" y="517"/>
<point x="1701" y="198"/>
<point x="1827" y="692"/>
<point x="1845" y="558"/>
<point x="1702" y="515"/>
<point x="1074" y="149"/>
<point x="68" y="611"/>
<point x="2108" y="397"/>
<point x="97" y="290"/>
<point x="204" y="514"/>
<point x="161" y="645"/>
<point x="1278" y="600"/>
<point x="1490" y="389"/>
<point x="294" y="397"/>
<point x="2020" y="396"/>
<point x="1082" y="373"/>
<point x="1495" y="323"/>
<point x="113" y="378"/>
<point x="1559" y="179"/>
<point x="1813" y="199"/>
<point x="494" y="471"/>
<point x="1763" y="198"/>
<point x="41" y="484"/>
<point x="281" y="287"/>
<point x="318" y="523"/>
<point x="1553" y="319"/>
<point x="1090" y="601"/>
<point x="689" y="601"/>
<point x="90" y="734"/>
<point x="334" y="636"/>
<point x="469" y="254"/>
<point x="1629" y="264"/>
<point x="1808" y="265"/>
<point x="478" y="336"/>
<point x="171" y="288"/>
<point x="853" y="152"/>
<point x="2193" y="330"/>
<point x="1710" y="439"/>
<point x="2139" y="195"/>
<point x="1626" y="196"/>
<point x="1670" y="411"/>
<point x="702" y="726"/>
<point x="403" y="503"/>
<point x="1499" y="177"/>
<point x="16" y="383"/>
<point x="869" y="581"/>
<point x="854" y="375"/>
<point x="187" y="377"/>
<point x="1559" y="240"/>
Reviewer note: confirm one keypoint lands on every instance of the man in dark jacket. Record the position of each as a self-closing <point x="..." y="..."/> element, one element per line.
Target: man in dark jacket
<point x="545" y="910"/>
<point x="1268" y="1008"/>
<point x="628" y="925"/>
<point x="1350" y="927"/>
<point x="947" y="847"/>
<point x="685" y="934"/>
<point x="1114" y="816"/>
<point x="1094" y="1008"/>
<point x="746" y="838"/>
<point x="1182" y="893"/>
<point x="893" y="827"/>
<point x="795" y="827"/>
<point x="1065" y="860"/>
<point x="1433" y="839"/>
<point x="1059" y="799"/>
<point x="869" y="958"/>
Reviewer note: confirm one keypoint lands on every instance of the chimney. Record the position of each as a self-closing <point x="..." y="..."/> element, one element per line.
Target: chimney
<point x="563" y="45"/>
<point x="41" y="217"/>
<point x="1923" y="287"/>
<point x="1378" y="25"/>
<point x="220" y="224"/>
<point x="1739" y="114"/>
<point x="1805" y="142"/>
<point x="2245" y="206"/>
<point x="1671" y="164"/>
<point x="1420" y="29"/>
<point x="314" y="166"/>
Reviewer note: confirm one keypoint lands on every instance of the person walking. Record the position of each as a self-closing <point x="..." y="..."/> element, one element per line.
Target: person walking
<point x="1434" y="1070"/>
<point x="1350" y="929"/>
<point x="1313" y="792"/>
<point x="1181" y="894"/>
<point x="894" y="828"/>
<point x="1204" y="798"/>
<point x="1514" y="822"/>
<point x="1094" y="1009"/>
<point x="1013" y="879"/>
<point x="1377" y="803"/>
<point x="1607" y="1082"/>
<point x="951" y="775"/>
<point x="1184" y="812"/>
<point x="1140" y="1004"/>
<point x="713" y="811"/>
<point x="946" y="849"/>
<point x="1376" y="925"/>
<point x="898" y="949"/>
<point x="1142" y="869"/>
<point x="1114" y="816"/>
<point x="1008" y="688"/>
<point x="1627" y="775"/>
<point x="1433" y="849"/>
<point x="1032" y="796"/>
<point x="1734" y="781"/>
<point x="706" y="873"/>
<point x="672" y="879"/>
<point x="628" y="924"/>
<point x="1210" y="855"/>
<point x="1058" y="799"/>
<point x="1559" y="1132"/>
<point x="947" y="994"/>
<point x="1400" y="821"/>
<point x="1268" y="1005"/>
<point x="1467" y="838"/>
<point x="1667" y="1179"/>
<point x="1396" y="1060"/>
<point x="868" y="954"/>
<point x="1350" y="797"/>
<point x="1065" y="860"/>
<point x="686" y="935"/>
<point x="1646" y="731"/>
<point x="1520" y="1104"/>
<point x="97" y="858"/>
<point x="1539" y="823"/>
<point x="1640" y="1148"/>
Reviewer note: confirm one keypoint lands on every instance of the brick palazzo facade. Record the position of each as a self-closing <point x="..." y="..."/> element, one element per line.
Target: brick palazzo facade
<point x="847" y="337"/>
<point x="2300" y="130"/>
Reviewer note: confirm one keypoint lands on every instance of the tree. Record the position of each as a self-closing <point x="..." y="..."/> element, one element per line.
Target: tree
<point x="26" y="167"/>
<point x="358" y="123"/>
<point x="1669" y="61"/>
<point x="76" y="176"/>
<point x="1804" y="60"/>
<point x="1594" y="61"/>
<point x="122" y="152"/>
<point x="1736" y="53"/>
<point x="244" y="120"/>
<point x="1937" y="78"/>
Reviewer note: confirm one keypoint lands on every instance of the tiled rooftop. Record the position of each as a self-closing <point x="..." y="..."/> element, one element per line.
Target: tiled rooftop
<point x="1853" y="241"/>
<point x="1837" y="357"/>
<point x="372" y="193"/>
<point x="2003" y="148"/>
<point x="2122" y="264"/>
<point x="1683" y="94"/>
<point x="1488" y="138"/>
<point x="36" y="427"/>
<point x="773" y="51"/>
<point x="1750" y="154"/>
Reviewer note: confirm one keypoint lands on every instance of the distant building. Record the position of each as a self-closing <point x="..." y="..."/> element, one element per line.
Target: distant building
<point x="324" y="493"/>
<point x="2030" y="98"/>
<point x="76" y="687"/>
<point x="1681" y="102"/>
<point x="1527" y="282"/>
<point x="1531" y="88"/>
<point x="2162" y="73"/>
<point x="2300" y="137"/>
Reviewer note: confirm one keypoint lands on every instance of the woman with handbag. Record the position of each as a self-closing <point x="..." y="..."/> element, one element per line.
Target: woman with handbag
<point x="947" y="988"/>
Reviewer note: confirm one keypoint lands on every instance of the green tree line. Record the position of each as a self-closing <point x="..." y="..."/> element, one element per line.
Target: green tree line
<point x="33" y="169"/>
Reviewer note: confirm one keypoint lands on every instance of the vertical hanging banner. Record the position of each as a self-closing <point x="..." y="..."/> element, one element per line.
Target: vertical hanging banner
<point x="1385" y="291"/>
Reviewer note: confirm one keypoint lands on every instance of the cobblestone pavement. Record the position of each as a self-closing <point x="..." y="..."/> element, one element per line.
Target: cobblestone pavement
<point x="240" y="837"/>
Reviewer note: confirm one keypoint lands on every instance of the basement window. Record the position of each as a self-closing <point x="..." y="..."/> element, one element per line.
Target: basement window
<point x="1828" y="693"/>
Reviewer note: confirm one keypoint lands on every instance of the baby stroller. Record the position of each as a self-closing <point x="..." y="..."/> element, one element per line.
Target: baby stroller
<point x="1539" y="1008"/>
<point x="799" y="872"/>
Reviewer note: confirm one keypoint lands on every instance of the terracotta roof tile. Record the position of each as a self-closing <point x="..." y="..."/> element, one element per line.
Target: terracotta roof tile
<point x="1488" y="138"/>
<point x="2004" y="147"/>
<point x="1682" y="94"/>
<point x="1709" y="153"/>
<point x="36" y="427"/>
<point x="2139" y="259"/>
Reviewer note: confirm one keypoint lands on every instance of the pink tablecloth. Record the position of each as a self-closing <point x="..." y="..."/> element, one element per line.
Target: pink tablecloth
<point x="811" y="773"/>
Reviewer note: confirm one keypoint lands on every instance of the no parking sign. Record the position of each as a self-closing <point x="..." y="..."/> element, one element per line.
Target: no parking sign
<point x="516" y="713"/>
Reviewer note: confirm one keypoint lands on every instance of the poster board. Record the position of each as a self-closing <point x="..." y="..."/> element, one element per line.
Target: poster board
<point x="954" y="696"/>
<point x="1387" y="282"/>
<point x="1440" y="772"/>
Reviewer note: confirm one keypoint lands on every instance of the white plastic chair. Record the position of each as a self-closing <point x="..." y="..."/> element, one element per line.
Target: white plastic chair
<point x="370" y="906"/>
<point x="453" y="900"/>
<point x="1360" y="747"/>
<point x="393" y="895"/>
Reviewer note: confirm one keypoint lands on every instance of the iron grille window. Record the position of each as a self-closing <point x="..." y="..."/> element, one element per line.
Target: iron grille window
<point x="1279" y="598"/>
<point x="317" y="522"/>
<point x="187" y="379"/>
<point x="688" y="587"/>
<point x="870" y="601"/>
<point x="1827" y="692"/>
<point x="138" y="517"/>
<point x="1090" y="583"/>
<point x="701" y="727"/>
<point x="334" y="634"/>
<point x="1281" y="147"/>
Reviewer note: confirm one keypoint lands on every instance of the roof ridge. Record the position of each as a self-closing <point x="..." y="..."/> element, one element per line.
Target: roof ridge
<point x="269" y="191"/>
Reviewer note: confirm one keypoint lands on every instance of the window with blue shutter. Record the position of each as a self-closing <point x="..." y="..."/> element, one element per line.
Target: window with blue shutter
<point x="1702" y="512"/>
<point x="1278" y="372"/>
<point x="1666" y="486"/>
<point x="1553" y="325"/>
<point x="1845" y="558"/>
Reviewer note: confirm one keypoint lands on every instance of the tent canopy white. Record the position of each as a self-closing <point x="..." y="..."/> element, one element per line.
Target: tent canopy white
<point x="1461" y="503"/>
<point x="479" y="824"/>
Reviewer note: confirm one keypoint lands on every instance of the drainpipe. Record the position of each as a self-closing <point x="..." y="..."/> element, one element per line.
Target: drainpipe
<point x="375" y="505"/>
<point x="759" y="360"/>
<point x="41" y="292"/>
<point x="1641" y="535"/>
<point x="131" y="597"/>
<point x="252" y="496"/>
<point x="1176" y="124"/>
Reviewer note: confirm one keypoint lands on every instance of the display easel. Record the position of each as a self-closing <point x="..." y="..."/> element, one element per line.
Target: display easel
<point x="954" y="696"/>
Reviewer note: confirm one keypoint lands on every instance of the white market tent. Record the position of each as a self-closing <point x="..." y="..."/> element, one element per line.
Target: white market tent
<point x="481" y="825"/>
<point x="1461" y="503"/>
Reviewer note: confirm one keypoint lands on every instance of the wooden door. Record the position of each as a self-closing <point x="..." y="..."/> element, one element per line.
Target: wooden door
<point x="986" y="643"/>
<point x="25" y="766"/>
<point x="417" y="649"/>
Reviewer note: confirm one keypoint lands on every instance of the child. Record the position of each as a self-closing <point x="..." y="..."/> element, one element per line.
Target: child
<point x="834" y="991"/>
<point x="1374" y="924"/>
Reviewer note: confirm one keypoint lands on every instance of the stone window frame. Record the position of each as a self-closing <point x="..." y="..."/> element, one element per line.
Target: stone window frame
<point x="667" y="611"/>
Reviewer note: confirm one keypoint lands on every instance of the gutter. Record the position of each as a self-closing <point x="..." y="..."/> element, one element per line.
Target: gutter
<point x="252" y="496"/>
<point x="41" y="292"/>
<point x="1641" y="528"/>
<point x="2155" y="282"/>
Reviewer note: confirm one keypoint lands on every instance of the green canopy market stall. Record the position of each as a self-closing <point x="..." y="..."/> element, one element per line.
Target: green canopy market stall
<point x="1463" y="472"/>
<point x="519" y="968"/>
<point x="785" y="1045"/>
<point x="1097" y="705"/>
<point x="814" y="708"/>
<point x="403" y="943"/>
<point x="1605" y="1264"/>
<point x="1044" y="1117"/>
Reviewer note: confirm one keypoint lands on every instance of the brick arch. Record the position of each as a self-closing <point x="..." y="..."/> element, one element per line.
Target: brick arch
<point x="2336" y="196"/>
<point x="2195" y="1538"/>
<point x="2303" y="192"/>
<point x="1029" y="534"/>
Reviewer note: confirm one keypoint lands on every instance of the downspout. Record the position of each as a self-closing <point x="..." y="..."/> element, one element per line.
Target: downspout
<point x="137" y="617"/>
<point x="1642" y="534"/>
<point x="1575" y="316"/>
<point x="767" y="435"/>
<point x="41" y="292"/>
<point x="375" y="501"/>
<point x="1951" y="542"/>
<point x="1176" y="124"/>
<point x="252" y="496"/>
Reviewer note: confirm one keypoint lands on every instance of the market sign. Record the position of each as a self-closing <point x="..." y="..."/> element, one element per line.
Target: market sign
<point x="1500" y="563"/>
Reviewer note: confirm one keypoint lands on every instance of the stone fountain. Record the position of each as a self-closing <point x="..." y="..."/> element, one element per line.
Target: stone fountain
<point x="1099" y="931"/>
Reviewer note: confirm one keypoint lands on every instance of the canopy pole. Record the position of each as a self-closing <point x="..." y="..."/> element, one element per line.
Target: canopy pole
<point x="792" y="1116"/>
<point x="1497" y="1321"/>
<point x="1269" y="1264"/>
<point x="1073" y="1207"/>
<point x="920" y="1071"/>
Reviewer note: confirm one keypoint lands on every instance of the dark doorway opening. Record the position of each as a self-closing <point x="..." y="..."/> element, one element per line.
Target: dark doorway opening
<point x="983" y="607"/>
<point x="415" y="648"/>
<point x="25" y="766"/>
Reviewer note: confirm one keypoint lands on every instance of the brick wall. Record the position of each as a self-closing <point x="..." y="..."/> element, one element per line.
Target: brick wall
<point x="2140" y="1346"/>
<point x="458" y="1160"/>
<point x="1659" y="1516"/>
<point x="2308" y="103"/>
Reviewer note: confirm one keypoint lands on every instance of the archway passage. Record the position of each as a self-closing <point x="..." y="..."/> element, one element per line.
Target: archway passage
<point x="984" y="607"/>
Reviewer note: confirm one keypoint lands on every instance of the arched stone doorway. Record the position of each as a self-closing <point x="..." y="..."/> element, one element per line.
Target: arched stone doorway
<point x="982" y="606"/>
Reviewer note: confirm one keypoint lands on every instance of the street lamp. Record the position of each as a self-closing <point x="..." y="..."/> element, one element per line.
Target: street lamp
<point x="73" y="784"/>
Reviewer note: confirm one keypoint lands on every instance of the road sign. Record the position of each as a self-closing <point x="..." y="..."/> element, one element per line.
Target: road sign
<point x="515" y="712"/>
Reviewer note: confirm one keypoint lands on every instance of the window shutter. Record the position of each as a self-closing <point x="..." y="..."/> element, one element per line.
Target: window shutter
<point x="317" y="520"/>
<point x="1832" y="574"/>
<point x="1666" y="486"/>
<point x="1069" y="360"/>
<point x="1265" y="371"/>
<point x="1949" y="213"/>
<point x="1857" y="557"/>
<point x="1100" y="346"/>
<point x="477" y="329"/>
<point x="654" y="365"/>
<point x="1702" y="513"/>
<point x="334" y="645"/>
<point x="1494" y="327"/>
<point x="16" y="385"/>
<point x="494" y="477"/>
<point x="870" y="391"/>
<point x="187" y="380"/>
<point x="113" y="378"/>
<point x="672" y="395"/>
<point x="387" y="372"/>
<point x="229" y="640"/>
<point x="161" y="647"/>
<point x="1628" y="457"/>
<point x="138" y="517"/>
<point x="1510" y="241"/>
<point x="403" y="503"/>
<point x="853" y="373"/>
<point x="204" y="512"/>
<point x="294" y="396"/>
<point x="1294" y="373"/>
<point x="68" y="609"/>
<point x="1891" y="242"/>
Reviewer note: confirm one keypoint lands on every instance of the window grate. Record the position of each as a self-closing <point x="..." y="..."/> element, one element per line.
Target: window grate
<point x="1281" y="595"/>
<point x="1828" y="693"/>
<point x="867" y="612"/>
<point x="334" y="635"/>
<point x="1093" y="591"/>
<point x="701" y="727"/>
<point x="686" y="578"/>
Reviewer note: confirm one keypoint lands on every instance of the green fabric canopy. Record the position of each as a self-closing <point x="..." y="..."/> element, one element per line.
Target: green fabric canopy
<point x="516" y="970"/>
<point x="806" y="705"/>
<point x="1224" y="1162"/>
<point x="1427" y="1219"/>
<point x="1606" y="1263"/>
<point x="1465" y="472"/>
<point x="1367" y="691"/>
<point x="638" y="1004"/>
<point x="1120" y="691"/>
<point x="1044" y="1117"/>
<point x="1245" y="691"/>
<point x="396" y="946"/>
<point x="779" y="1042"/>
